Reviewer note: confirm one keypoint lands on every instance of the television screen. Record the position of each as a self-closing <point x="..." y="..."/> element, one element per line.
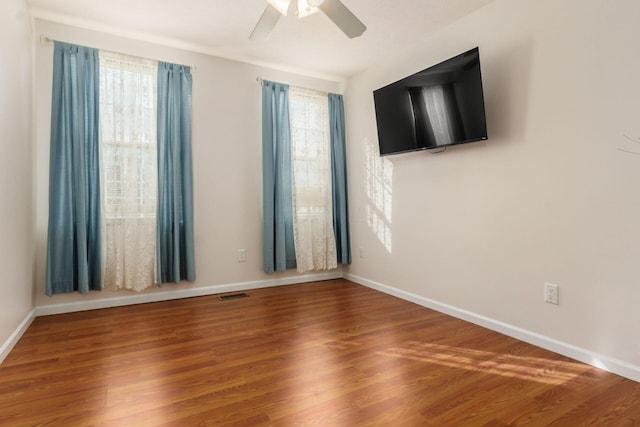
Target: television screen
<point x="440" y="106"/>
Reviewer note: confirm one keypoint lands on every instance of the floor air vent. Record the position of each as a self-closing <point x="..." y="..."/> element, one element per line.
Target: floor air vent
<point x="233" y="296"/>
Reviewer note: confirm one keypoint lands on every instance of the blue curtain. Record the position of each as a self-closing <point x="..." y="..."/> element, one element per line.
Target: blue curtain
<point x="175" y="259"/>
<point x="339" y="178"/>
<point x="73" y="242"/>
<point x="279" y="251"/>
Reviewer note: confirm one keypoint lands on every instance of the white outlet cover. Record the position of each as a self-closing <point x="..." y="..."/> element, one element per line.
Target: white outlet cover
<point x="551" y="293"/>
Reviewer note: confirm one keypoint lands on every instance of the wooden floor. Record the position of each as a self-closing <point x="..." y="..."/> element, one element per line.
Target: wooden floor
<point x="323" y="354"/>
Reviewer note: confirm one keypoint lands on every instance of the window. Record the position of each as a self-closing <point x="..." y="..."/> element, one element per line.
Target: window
<point x="305" y="202"/>
<point x="117" y="219"/>
<point x="311" y="180"/>
<point x="128" y="147"/>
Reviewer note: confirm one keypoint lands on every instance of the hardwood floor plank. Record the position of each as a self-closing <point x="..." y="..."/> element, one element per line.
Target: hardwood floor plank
<point x="330" y="353"/>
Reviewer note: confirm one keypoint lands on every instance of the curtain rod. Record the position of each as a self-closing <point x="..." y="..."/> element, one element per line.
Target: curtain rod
<point x="48" y="41"/>
<point x="260" y="81"/>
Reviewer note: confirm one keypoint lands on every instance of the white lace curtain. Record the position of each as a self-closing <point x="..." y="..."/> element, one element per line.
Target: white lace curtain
<point x="311" y="180"/>
<point x="128" y="155"/>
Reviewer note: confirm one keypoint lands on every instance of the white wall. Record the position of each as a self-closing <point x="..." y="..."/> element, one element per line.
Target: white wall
<point x="16" y="172"/>
<point x="227" y="154"/>
<point x="548" y="198"/>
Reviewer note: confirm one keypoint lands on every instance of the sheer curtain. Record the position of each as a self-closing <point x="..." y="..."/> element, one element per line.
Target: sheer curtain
<point x="73" y="242"/>
<point x="129" y="169"/>
<point x="315" y="244"/>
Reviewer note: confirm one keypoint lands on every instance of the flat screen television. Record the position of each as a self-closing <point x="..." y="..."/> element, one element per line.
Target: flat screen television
<point x="437" y="107"/>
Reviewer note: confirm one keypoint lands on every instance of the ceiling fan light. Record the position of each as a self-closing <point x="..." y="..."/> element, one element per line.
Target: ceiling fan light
<point x="281" y="6"/>
<point x="305" y="8"/>
<point x="315" y="3"/>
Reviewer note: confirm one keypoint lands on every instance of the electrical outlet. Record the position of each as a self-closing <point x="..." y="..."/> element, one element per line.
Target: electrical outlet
<point x="551" y="293"/>
<point x="361" y="252"/>
<point x="242" y="255"/>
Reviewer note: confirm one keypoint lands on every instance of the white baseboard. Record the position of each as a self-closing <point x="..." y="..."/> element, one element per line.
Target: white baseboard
<point x="8" y="345"/>
<point x="607" y="363"/>
<point x="45" y="310"/>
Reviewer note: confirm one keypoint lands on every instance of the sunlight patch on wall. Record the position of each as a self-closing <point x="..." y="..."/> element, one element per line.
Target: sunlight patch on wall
<point x="378" y="188"/>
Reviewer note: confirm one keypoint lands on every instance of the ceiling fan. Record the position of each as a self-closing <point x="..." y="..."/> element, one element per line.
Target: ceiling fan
<point x="334" y="9"/>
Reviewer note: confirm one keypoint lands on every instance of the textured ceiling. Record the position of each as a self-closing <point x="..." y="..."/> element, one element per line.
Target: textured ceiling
<point x="221" y="27"/>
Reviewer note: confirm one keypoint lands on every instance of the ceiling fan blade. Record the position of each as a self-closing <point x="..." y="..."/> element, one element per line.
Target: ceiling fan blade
<point x="343" y="18"/>
<point x="266" y="24"/>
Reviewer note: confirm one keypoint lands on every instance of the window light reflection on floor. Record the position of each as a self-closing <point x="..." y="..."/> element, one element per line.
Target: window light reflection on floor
<point x="537" y="369"/>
